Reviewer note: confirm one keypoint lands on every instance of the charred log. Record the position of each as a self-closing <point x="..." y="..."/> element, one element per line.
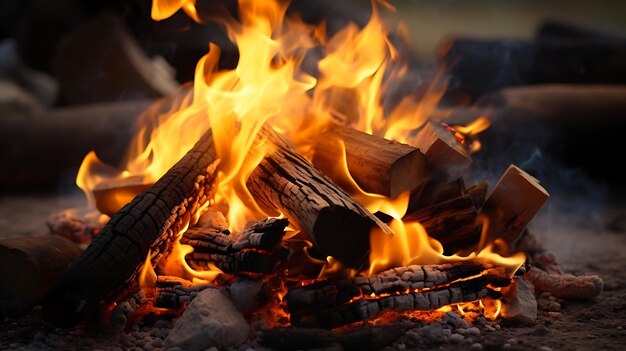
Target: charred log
<point x="148" y="224"/>
<point x="254" y="251"/>
<point x="285" y="182"/>
<point x="337" y="303"/>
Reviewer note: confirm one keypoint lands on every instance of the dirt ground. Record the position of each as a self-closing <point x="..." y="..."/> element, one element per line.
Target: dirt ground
<point x="584" y="241"/>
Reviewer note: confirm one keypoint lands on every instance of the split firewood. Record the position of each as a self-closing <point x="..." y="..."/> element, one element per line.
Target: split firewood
<point x="443" y="151"/>
<point x="29" y="266"/>
<point x="253" y="251"/>
<point x="377" y="165"/>
<point x="512" y="204"/>
<point x="371" y="337"/>
<point x="453" y="219"/>
<point x="148" y="224"/>
<point x="336" y="303"/>
<point x="285" y="182"/>
<point x="112" y="68"/>
<point x="565" y="285"/>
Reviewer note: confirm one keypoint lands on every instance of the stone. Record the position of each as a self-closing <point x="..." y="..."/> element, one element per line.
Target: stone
<point x="455" y="321"/>
<point x="476" y="347"/>
<point x="519" y="303"/>
<point x="456" y="338"/>
<point x="473" y="331"/>
<point x="247" y="294"/>
<point x="211" y="320"/>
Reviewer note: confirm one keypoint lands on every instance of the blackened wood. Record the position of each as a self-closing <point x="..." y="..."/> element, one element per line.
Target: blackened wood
<point x="285" y="182"/>
<point x="252" y="251"/>
<point x="148" y="224"/>
<point x="377" y="165"/>
<point x="335" y="303"/>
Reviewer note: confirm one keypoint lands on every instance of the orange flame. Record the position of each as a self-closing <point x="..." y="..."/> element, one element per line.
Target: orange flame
<point x="271" y="86"/>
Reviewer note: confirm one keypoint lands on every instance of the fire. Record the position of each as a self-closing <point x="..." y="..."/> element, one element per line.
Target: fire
<point x="271" y="86"/>
<point x="147" y="275"/>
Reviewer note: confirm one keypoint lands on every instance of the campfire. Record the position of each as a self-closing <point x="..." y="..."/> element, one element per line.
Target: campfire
<point x="303" y="180"/>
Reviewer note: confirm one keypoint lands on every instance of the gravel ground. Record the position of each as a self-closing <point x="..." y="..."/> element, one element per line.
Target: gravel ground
<point x="584" y="242"/>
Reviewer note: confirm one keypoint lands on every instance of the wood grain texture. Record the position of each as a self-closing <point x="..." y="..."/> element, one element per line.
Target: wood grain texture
<point x="147" y="224"/>
<point x="285" y="182"/>
<point x="377" y="165"/>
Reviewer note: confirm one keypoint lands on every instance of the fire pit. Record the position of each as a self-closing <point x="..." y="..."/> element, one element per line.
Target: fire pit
<point x="302" y="198"/>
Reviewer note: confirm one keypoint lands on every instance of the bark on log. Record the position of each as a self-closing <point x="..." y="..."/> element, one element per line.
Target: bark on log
<point x="253" y="251"/>
<point x="286" y="182"/>
<point x="336" y="303"/>
<point x="378" y="165"/>
<point x="29" y="266"/>
<point x="148" y="224"/>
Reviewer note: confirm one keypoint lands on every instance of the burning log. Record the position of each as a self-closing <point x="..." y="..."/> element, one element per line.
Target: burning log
<point x="565" y="285"/>
<point x="29" y="266"/>
<point x="336" y="303"/>
<point x="512" y="204"/>
<point x="452" y="219"/>
<point x="378" y="165"/>
<point x="252" y="252"/>
<point x="285" y="182"/>
<point x="444" y="153"/>
<point x="146" y="225"/>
